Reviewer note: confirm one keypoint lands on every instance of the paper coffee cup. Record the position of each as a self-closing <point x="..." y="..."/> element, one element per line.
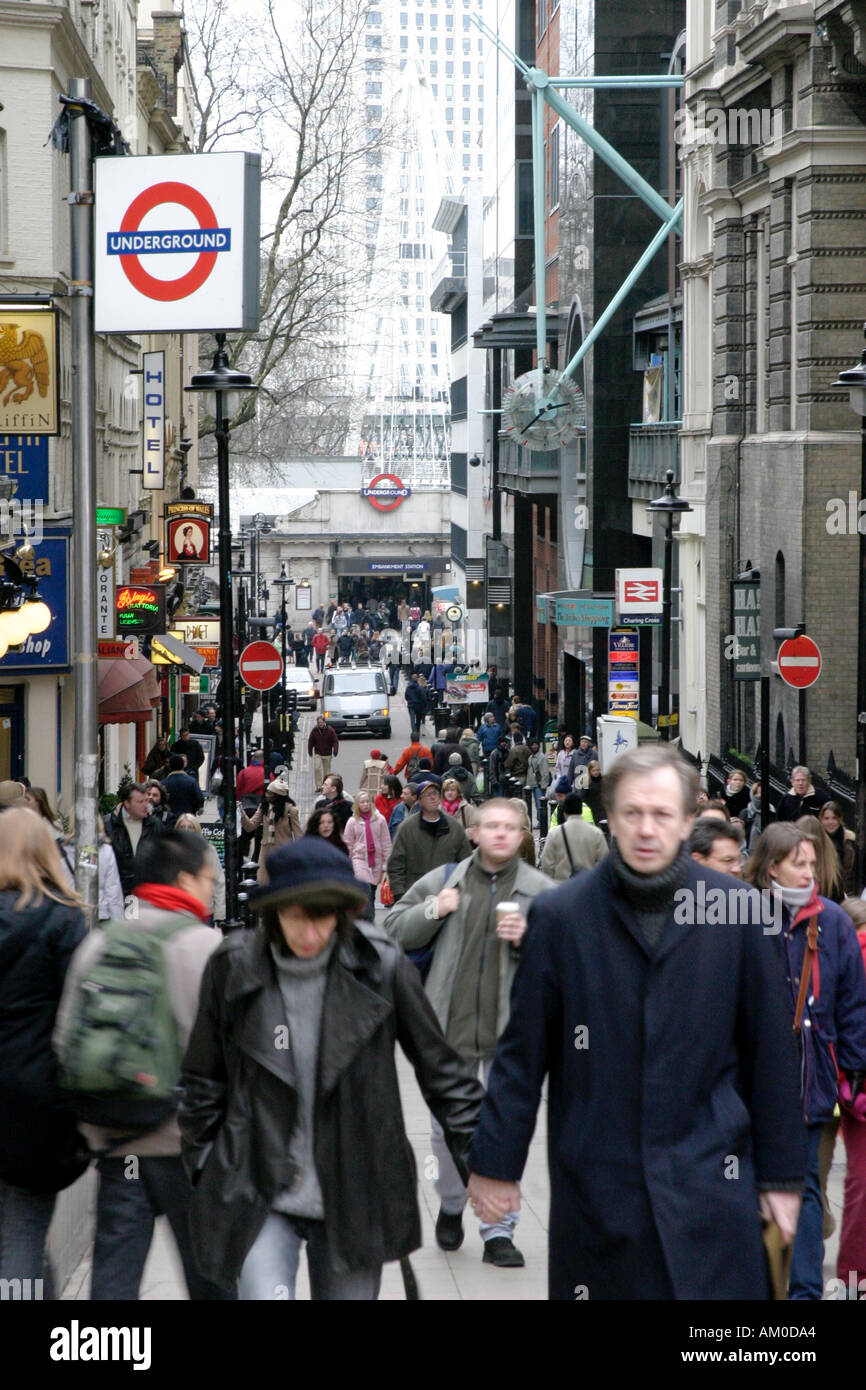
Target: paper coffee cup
<point x="505" y="910"/>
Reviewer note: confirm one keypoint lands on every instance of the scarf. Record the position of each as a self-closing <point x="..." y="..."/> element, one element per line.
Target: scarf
<point x="649" y="892"/>
<point x="795" y="898"/>
<point x="371" y="843"/>
<point x="171" y="899"/>
<point x="450" y="807"/>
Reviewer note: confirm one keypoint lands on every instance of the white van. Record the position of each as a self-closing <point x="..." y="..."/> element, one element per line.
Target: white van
<point x="356" y="699"/>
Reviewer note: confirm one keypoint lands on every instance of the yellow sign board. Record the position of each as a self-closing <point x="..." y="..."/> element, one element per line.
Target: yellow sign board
<point x="29" y="386"/>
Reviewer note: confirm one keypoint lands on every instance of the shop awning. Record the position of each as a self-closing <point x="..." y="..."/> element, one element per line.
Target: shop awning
<point x="127" y="691"/>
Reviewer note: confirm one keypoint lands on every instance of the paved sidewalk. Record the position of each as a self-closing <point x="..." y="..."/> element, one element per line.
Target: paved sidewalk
<point x="440" y="1276"/>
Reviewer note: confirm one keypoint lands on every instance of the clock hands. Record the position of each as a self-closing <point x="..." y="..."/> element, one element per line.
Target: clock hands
<point x="539" y="414"/>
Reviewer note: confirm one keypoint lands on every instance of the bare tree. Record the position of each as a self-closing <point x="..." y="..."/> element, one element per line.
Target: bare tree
<point x="290" y="79"/>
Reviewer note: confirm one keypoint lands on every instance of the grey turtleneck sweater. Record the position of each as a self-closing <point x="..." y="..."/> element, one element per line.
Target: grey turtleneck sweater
<point x="651" y="896"/>
<point x="302" y="985"/>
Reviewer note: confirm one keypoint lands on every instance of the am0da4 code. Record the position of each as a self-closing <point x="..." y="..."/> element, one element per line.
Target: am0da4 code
<point x="785" y="1330"/>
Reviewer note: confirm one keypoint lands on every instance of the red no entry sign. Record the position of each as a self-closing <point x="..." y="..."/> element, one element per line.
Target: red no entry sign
<point x="261" y="665"/>
<point x="799" y="662"/>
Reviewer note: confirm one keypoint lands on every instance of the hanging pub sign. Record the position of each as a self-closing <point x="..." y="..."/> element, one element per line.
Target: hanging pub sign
<point x="140" y="608"/>
<point x="176" y="243"/>
<point x="187" y="533"/>
<point x="153" y="419"/>
<point x="29" y="383"/>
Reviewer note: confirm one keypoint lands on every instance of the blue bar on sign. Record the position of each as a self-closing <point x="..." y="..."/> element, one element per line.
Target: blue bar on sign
<point x="147" y="243"/>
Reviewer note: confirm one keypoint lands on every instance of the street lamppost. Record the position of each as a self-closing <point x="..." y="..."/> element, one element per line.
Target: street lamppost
<point x="222" y="386"/>
<point x="669" y="505"/>
<point x="854" y="381"/>
<point x="284" y="583"/>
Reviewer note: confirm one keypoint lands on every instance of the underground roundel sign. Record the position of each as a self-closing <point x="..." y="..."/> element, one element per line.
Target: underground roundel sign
<point x="176" y="243"/>
<point x="385" y="492"/>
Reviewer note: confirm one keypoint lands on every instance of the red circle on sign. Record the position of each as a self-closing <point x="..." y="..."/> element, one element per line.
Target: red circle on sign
<point x="799" y="662"/>
<point x="261" y="665"/>
<point x="198" y="205"/>
<point x="385" y="478"/>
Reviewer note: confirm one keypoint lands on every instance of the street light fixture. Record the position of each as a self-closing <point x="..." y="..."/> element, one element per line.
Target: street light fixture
<point x="854" y="381"/>
<point x="223" y="386"/>
<point x="669" y="505"/>
<point x="284" y="583"/>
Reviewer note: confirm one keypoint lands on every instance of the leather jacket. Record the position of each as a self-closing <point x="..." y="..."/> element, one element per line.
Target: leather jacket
<point x="239" y="1102"/>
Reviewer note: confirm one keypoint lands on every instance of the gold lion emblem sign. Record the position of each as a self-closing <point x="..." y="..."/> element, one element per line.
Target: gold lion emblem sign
<point x="23" y="364"/>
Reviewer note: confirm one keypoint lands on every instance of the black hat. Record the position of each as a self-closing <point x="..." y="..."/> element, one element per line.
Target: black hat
<point x="308" y="869"/>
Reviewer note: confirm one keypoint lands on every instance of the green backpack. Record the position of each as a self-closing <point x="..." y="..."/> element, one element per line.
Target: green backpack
<point x="120" y="1063"/>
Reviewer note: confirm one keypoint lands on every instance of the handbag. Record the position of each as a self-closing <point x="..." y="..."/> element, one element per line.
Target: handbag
<point x="386" y="892"/>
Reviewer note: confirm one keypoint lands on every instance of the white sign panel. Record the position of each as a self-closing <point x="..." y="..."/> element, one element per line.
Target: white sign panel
<point x="176" y="243"/>
<point x="638" y="591"/>
<point x="153" y="380"/>
<point x="205" y="631"/>
<point x="105" y="610"/>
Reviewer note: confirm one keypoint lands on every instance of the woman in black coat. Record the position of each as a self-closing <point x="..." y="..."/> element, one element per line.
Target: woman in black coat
<point x="290" y="1114"/>
<point x="40" y="1152"/>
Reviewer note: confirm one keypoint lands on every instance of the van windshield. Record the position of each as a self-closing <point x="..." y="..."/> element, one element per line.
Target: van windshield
<point x="355" y="682"/>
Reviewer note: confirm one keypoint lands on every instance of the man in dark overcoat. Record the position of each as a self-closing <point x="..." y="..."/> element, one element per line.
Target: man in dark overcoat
<point x="651" y="990"/>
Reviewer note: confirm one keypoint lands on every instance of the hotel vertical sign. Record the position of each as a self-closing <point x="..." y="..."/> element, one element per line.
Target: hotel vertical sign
<point x="153" y="379"/>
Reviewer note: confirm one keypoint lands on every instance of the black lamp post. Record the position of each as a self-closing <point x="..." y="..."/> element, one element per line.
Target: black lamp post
<point x="284" y="583"/>
<point x="854" y="381"/>
<point x="226" y="386"/>
<point x="669" y="505"/>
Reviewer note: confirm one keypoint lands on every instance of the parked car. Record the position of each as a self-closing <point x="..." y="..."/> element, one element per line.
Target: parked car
<point x="355" y="699"/>
<point x="302" y="680"/>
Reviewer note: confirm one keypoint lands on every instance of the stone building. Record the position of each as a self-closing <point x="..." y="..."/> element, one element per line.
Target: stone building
<point x="773" y="269"/>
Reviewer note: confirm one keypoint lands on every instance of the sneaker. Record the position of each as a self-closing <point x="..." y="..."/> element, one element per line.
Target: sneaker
<point x="449" y="1230"/>
<point x="499" y="1250"/>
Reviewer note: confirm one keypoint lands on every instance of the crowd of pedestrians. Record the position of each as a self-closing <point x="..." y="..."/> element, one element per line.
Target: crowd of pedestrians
<point x="540" y="925"/>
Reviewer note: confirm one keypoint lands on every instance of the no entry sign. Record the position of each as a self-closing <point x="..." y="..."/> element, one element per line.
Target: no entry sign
<point x="261" y="665"/>
<point x="177" y="243"/>
<point x="799" y="662"/>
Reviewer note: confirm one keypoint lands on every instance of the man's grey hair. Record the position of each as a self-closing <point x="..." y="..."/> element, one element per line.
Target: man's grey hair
<point x="642" y="763"/>
<point x="800" y="768"/>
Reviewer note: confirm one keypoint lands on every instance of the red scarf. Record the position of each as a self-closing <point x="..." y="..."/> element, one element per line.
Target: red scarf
<point x="171" y="899"/>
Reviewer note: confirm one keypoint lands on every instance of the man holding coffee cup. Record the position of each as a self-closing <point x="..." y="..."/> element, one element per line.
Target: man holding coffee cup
<point x="476" y="913"/>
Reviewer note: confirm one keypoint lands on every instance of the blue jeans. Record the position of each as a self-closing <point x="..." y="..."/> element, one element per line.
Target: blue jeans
<point x="24" y="1221"/>
<point x="537" y="794"/>
<point x="807" y="1257"/>
<point x="270" y="1269"/>
<point x="128" y="1203"/>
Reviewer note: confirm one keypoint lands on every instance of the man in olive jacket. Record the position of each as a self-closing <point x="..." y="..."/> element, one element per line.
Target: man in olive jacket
<point x="476" y="912"/>
<point x="425" y="841"/>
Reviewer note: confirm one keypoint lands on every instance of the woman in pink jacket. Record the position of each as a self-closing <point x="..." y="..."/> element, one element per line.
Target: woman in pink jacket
<point x="369" y="843"/>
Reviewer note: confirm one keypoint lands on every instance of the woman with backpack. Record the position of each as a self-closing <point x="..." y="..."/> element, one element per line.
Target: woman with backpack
<point x="41" y="924"/>
<point x="303" y="1141"/>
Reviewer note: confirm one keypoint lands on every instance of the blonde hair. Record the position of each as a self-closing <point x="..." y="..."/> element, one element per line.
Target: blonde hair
<point x="452" y="782"/>
<point x="519" y="804"/>
<point x="187" y="821"/>
<point x="30" y="860"/>
<point x="356" y="804"/>
<point x="856" y="909"/>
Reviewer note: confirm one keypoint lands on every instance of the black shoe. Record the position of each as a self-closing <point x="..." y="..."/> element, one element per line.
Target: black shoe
<point x="449" y="1230"/>
<point x="499" y="1250"/>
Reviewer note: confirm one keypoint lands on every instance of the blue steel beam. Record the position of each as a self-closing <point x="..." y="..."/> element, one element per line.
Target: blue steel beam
<point x="654" y="81"/>
<point x="543" y="88"/>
